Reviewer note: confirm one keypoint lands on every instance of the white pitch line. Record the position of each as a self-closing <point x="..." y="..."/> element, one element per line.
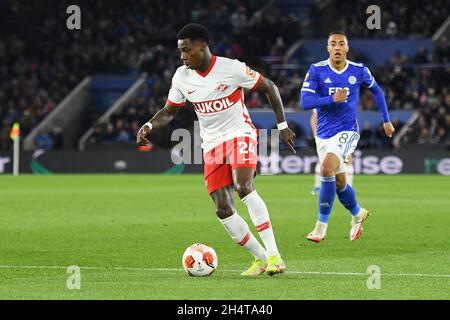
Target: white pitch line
<point x="230" y="270"/>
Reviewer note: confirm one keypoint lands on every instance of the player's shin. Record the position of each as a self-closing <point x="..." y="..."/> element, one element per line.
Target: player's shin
<point x="326" y="198"/>
<point x="238" y="229"/>
<point x="347" y="197"/>
<point x="260" y="218"/>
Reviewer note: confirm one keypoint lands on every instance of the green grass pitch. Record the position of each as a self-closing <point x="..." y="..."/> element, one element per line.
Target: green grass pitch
<point x="128" y="233"/>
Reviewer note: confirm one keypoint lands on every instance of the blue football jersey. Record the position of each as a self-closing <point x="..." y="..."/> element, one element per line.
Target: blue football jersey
<point x="323" y="80"/>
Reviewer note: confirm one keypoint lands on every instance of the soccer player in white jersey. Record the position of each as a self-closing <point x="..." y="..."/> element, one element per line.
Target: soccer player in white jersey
<point x="348" y="163"/>
<point x="332" y="87"/>
<point x="214" y="85"/>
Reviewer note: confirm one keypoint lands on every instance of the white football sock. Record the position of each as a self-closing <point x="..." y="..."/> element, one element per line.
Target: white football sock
<point x="240" y="233"/>
<point x="317" y="177"/>
<point x="260" y="217"/>
<point x="349" y="171"/>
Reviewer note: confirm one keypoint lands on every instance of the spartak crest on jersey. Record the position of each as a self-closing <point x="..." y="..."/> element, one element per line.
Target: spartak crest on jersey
<point x="221" y="87"/>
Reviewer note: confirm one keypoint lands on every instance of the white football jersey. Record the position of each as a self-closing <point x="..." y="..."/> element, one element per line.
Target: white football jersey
<point x="218" y="99"/>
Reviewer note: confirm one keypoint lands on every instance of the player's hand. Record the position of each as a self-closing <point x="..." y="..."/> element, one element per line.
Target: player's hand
<point x="388" y="129"/>
<point x="142" y="133"/>
<point x="287" y="136"/>
<point x="340" y="96"/>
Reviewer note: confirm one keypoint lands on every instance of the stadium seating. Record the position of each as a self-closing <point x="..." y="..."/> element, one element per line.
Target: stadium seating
<point x="133" y="37"/>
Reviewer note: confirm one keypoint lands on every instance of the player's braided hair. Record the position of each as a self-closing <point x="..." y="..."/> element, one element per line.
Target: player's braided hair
<point x="194" y="31"/>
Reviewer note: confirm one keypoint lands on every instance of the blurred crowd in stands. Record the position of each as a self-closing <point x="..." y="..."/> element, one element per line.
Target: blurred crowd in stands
<point x="42" y="61"/>
<point x="399" y="18"/>
<point x="424" y="90"/>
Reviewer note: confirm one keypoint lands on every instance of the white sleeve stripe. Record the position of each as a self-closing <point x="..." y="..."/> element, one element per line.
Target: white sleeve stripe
<point x="371" y="84"/>
<point x="310" y="90"/>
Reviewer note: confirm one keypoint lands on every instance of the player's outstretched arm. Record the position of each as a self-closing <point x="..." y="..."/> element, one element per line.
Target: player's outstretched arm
<point x="380" y="101"/>
<point x="159" y="120"/>
<point x="270" y="89"/>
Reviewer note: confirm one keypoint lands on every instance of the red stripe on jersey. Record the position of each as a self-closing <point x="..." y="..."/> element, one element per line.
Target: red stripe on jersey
<point x="213" y="62"/>
<point x="245" y="239"/>
<point x="248" y="120"/>
<point x="246" y="117"/>
<point x="236" y="95"/>
<point x="263" y="226"/>
<point x="173" y="104"/>
<point x="258" y="82"/>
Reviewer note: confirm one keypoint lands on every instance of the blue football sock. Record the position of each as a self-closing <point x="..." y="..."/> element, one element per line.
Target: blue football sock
<point x="326" y="198"/>
<point x="347" y="197"/>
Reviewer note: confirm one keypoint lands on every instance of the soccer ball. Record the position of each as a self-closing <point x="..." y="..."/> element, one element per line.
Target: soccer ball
<point x="200" y="260"/>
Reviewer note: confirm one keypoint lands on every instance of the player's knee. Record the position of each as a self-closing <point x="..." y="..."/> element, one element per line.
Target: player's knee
<point x="224" y="210"/>
<point x="244" y="188"/>
<point x="340" y="184"/>
<point x="327" y="170"/>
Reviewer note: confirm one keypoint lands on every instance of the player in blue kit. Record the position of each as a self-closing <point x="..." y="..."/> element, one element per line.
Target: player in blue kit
<point x="332" y="87"/>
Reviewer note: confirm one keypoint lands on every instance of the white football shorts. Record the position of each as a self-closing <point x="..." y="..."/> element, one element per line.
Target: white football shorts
<point x="342" y="145"/>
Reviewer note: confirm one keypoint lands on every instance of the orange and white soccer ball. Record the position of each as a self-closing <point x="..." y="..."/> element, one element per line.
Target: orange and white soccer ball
<point x="200" y="260"/>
